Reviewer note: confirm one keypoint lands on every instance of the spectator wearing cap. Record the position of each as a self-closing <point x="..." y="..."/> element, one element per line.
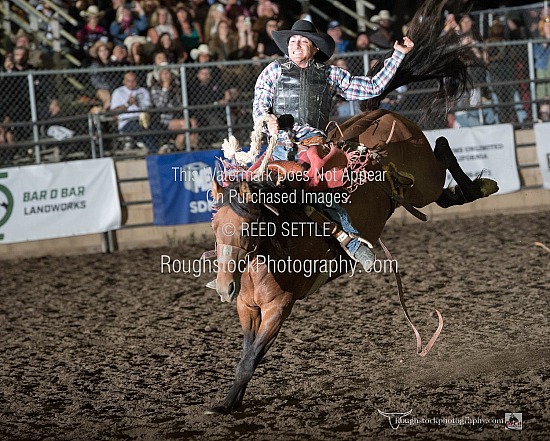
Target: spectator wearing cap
<point x="92" y="31"/>
<point x="131" y="20"/>
<point x="335" y="31"/>
<point x="137" y="55"/>
<point x="37" y="58"/>
<point x="384" y="37"/>
<point x="103" y="82"/>
<point x="201" y="54"/>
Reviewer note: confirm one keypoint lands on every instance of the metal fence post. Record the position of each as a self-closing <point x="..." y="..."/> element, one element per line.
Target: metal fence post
<point x="532" y="85"/>
<point x="185" y="104"/>
<point x="228" y="119"/>
<point x="92" y="135"/>
<point x="34" y="117"/>
<point x="366" y="63"/>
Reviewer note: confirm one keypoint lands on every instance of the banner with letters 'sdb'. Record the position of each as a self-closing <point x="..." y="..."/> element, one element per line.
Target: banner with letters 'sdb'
<point x="181" y="186"/>
<point x="58" y="200"/>
<point x="487" y="150"/>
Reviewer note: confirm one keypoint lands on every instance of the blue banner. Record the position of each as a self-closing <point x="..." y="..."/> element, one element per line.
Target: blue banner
<point x="180" y="186"/>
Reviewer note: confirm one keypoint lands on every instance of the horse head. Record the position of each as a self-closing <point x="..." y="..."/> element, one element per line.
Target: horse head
<point x="233" y="248"/>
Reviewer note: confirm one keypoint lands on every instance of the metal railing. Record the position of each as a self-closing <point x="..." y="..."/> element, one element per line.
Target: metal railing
<point x="223" y="105"/>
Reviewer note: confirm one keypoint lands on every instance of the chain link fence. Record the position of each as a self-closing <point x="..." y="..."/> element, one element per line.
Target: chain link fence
<point x="62" y="115"/>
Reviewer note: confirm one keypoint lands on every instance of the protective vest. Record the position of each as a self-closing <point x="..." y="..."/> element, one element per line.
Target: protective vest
<point x="304" y="93"/>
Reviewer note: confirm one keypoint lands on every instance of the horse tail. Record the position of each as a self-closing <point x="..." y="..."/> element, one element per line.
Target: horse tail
<point x="436" y="55"/>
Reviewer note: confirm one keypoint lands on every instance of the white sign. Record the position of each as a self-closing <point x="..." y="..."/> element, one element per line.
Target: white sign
<point x="542" y="137"/>
<point x="486" y="150"/>
<point x="58" y="200"/>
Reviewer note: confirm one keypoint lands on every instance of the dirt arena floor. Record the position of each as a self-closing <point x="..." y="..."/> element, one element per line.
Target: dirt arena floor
<point x="105" y="347"/>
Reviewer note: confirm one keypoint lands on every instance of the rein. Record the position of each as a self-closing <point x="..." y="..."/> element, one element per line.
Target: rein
<point x="419" y="350"/>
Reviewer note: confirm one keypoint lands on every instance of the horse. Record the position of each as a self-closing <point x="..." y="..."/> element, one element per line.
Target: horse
<point x="257" y="271"/>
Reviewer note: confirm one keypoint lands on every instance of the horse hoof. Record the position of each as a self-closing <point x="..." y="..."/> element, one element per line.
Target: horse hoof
<point x="217" y="410"/>
<point x="487" y="186"/>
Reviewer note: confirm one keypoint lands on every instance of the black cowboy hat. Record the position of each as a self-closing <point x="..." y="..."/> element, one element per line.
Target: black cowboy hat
<point x="305" y="28"/>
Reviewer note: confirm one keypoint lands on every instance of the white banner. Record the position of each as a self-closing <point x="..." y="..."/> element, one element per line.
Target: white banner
<point x="542" y="137"/>
<point x="58" y="200"/>
<point x="487" y="149"/>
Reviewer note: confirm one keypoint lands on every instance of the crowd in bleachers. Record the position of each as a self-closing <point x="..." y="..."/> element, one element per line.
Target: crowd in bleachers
<point x="158" y="32"/>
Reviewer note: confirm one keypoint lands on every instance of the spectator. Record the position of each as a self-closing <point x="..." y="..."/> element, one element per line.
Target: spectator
<point x="216" y="13"/>
<point x="19" y="109"/>
<point x="362" y="42"/>
<point x="159" y="59"/>
<point x="102" y="81"/>
<point x="234" y="8"/>
<point x="119" y="56"/>
<point x="202" y="54"/>
<point x="541" y="52"/>
<point x="136" y="51"/>
<point x="342" y="109"/>
<point x="266" y="10"/>
<point x="37" y="58"/>
<point x="534" y="18"/>
<point x="161" y="23"/>
<point x="75" y="9"/>
<point x="150" y="7"/>
<point x="111" y="10"/>
<point x="16" y="109"/>
<point x="200" y="8"/>
<point x="189" y="32"/>
<point x="6" y="131"/>
<point x="166" y="93"/>
<point x="267" y="48"/>
<point x="172" y="48"/>
<point x="247" y="38"/>
<point x="451" y="24"/>
<point x="384" y="37"/>
<point x="57" y="129"/>
<point x="43" y="26"/>
<point x="468" y="29"/>
<point x="335" y="31"/>
<point x="225" y="42"/>
<point x="130" y="100"/>
<point x="500" y="69"/>
<point x="131" y="20"/>
<point x="92" y="31"/>
<point x="205" y="89"/>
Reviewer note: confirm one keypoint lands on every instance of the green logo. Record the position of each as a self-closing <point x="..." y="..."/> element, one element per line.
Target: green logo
<point x="6" y="203"/>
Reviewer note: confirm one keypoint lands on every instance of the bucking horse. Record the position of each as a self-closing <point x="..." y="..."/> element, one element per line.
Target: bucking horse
<point x="387" y="143"/>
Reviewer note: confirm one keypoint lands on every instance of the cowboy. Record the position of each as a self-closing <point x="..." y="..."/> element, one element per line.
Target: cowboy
<point x="303" y="86"/>
<point x="384" y="36"/>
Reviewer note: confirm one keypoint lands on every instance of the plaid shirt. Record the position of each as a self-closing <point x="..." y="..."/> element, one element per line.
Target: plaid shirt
<point x="347" y="86"/>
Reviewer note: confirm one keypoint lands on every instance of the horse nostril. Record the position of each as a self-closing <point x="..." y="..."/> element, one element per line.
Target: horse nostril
<point x="231" y="289"/>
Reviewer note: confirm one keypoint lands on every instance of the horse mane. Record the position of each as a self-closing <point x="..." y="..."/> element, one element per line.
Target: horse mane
<point x="278" y="196"/>
<point x="436" y="56"/>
